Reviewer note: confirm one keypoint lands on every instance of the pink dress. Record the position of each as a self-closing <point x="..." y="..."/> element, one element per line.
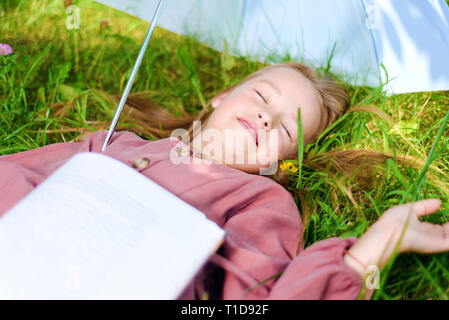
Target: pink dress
<point x="260" y="217"/>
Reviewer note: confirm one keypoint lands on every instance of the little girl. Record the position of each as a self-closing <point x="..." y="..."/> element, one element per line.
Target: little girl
<point x="263" y="255"/>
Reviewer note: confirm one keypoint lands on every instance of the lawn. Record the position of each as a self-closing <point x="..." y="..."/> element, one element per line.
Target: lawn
<point x="53" y="64"/>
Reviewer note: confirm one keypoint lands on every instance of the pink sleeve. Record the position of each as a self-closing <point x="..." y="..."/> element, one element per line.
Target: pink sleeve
<point x="261" y="242"/>
<point x="21" y="172"/>
<point x="319" y="272"/>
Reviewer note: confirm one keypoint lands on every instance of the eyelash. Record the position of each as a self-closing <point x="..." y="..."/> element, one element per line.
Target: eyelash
<point x="286" y="130"/>
<point x="263" y="98"/>
<point x="260" y="95"/>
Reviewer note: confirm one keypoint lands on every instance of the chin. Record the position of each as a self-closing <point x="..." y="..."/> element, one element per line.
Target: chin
<point x="249" y="168"/>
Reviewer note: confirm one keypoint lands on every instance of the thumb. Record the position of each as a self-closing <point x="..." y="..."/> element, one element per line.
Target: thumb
<point x="425" y="207"/>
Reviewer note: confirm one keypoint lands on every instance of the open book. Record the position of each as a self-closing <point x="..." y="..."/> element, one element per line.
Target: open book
<point x="98" y="229"/>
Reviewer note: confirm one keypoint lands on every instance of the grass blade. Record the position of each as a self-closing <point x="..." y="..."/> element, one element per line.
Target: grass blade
<point x="300" y="148"/>
<point x="416" y="185"/>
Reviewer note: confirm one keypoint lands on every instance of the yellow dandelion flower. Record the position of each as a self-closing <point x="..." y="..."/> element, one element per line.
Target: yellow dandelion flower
<point x="288" y="166"/>
<point x="293" y="169"/>
<point x="283" y="166"/>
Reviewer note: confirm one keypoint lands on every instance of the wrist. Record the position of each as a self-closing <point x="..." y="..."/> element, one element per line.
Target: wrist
<point x="375" y="247"/>
<point x="356" y="264"/>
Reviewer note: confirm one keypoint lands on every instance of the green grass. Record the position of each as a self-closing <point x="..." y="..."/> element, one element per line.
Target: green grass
<point x="54" y="64"/>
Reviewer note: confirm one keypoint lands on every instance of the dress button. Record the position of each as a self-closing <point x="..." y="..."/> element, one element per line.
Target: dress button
<point x="141" y="163"/>
<point x="184" y="152"/>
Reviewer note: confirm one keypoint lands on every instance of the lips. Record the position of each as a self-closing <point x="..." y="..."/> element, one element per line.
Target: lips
<point x="251" y="128"/>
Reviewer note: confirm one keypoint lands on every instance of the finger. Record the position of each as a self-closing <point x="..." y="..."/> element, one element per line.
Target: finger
<point x="425" y="207"/>
<point x="434" y="238"/>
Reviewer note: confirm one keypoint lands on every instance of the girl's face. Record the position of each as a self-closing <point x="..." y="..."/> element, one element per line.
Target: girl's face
<point x="259" y="118"/>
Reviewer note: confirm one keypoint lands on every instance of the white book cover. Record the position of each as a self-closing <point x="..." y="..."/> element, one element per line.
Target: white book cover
<point x="98" y="229"/>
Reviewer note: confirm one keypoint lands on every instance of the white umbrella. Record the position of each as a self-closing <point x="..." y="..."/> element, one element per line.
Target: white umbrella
<point x="409" y="37"/>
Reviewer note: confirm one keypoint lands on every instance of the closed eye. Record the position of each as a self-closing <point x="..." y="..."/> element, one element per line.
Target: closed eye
<point x="260" y="95"/>
<point x="287" y="132"/>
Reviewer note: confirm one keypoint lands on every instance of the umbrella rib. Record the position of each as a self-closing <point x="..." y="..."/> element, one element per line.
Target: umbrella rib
<point x="133" y="73"/>
<point x="373" y="40"/>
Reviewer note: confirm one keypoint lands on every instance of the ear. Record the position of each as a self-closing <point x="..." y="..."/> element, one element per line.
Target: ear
<point x="218" y="98"/>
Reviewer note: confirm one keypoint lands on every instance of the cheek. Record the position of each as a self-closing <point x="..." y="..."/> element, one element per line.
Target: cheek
<point x="218" y="119"/>
<point x="224" y="116"/>
<point x="236" y="104"/>
<point x="311" y="125"/>
<point x="284" y="144"/>
<point x="272" y="147"/>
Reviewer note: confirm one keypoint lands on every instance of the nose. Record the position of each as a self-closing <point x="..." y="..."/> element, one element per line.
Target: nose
<point x="264" y="120"/>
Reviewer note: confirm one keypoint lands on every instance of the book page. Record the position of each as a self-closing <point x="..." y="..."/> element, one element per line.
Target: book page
<point x="98" y="229"/>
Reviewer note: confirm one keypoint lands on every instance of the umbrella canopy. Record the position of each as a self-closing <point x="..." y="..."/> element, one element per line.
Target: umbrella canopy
<point x="410" y="38"/>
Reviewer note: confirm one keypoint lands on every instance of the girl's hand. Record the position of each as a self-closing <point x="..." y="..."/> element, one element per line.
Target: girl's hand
<point x="378" y="243"/>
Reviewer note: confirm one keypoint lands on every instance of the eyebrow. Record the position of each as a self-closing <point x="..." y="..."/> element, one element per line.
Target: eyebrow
<point x="272" y="85"/>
